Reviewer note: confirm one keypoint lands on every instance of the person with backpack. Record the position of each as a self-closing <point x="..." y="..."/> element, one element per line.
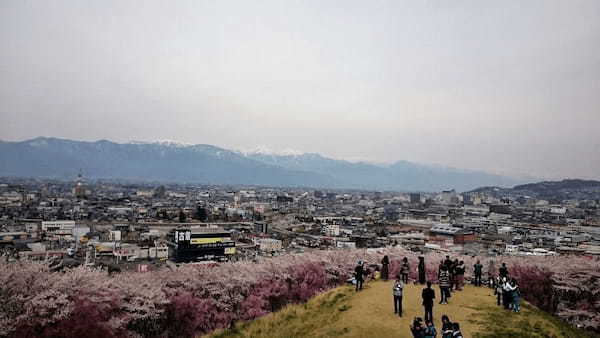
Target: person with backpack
<point x="359" y="275"/>
<point x="397" y="292"/>
<point x="428" y="296"/>
<point x="430" y="331"/>
<point x="421" y="270"/>
<point x="447" y="328"/>
<point x="456" y="331"/>
<point x="444" y="280"/>
<point x="385" y="268"/>
<point x="477" y="271"/>
<point x="404" y="270"/>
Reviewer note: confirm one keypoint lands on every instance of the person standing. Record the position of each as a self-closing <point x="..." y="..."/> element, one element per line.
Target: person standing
<point x="498" y="290"/>
<point x="477" y="271"/>
<point x="428" y="296"/>
<point x="506" y="293"/>
<point x="404" y="270"/>
<point x="516" y="294"/>
<point x="448" y="262"/>
<point x="421" y="269"/>
<point x="460" y="275"/>
<point x="397" y="292"/>
<point x="444" y="280"/>
<point x="385" y="268"/>
<point x="503" y="271"/>
<point x="491" y="273"/>
<point x="359" y="275"/>
<point x="447" y="327"/>
<point x="454" y="275"/>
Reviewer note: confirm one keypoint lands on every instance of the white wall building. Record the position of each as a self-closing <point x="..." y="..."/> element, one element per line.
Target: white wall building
<point x="269" y="244"/>
<point x="331" y="230"/>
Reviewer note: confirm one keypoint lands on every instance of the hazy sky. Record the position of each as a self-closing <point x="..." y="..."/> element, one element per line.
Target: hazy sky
<point x="505" y="86"/>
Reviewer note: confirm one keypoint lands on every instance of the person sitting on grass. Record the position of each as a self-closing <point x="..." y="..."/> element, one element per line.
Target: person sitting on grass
<point x="456" y="331"/>
<point x="417" y="329"/>
<point x="430" y="331"/>
<point x="447" y="328"/>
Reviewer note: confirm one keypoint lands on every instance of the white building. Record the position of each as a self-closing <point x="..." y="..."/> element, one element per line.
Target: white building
<point x="331" y="230"/>
<point x="58" y="226"/>
<point x="345" y="245"/>
<point x="269" y="244"/>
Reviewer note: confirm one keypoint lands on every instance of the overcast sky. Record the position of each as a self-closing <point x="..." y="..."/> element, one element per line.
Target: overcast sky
<point x="505" y="86"/>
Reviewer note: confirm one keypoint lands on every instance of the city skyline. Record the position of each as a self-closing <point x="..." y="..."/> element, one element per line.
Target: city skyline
<point x="506" y="88"/>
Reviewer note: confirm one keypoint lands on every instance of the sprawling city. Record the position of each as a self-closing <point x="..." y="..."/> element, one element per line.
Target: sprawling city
<point x="292" y="169"/>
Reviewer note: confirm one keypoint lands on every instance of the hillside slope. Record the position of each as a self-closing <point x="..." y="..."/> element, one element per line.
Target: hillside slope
<point x="344" y="313"/>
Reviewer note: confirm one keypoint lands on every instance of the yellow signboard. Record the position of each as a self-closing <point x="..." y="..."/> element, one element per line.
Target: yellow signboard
<point x="230" y="251"/>
<point x="206" y="240"/>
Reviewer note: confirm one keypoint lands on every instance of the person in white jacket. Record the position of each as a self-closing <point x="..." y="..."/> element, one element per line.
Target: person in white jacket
<point x="507" y="292"/>
<point x="397" y="292"/>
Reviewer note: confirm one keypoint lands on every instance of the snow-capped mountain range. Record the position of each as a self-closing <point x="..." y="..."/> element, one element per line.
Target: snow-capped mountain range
<point x="172" y="161"/>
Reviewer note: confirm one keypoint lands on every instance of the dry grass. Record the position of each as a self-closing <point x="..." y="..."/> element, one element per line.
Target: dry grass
<point x="369" y="313"/>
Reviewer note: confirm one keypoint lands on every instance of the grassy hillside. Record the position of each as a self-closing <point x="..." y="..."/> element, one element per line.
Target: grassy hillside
<point x="344" y="313"/>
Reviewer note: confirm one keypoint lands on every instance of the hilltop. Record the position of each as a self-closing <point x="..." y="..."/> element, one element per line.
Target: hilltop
<point x="342" y="312"/>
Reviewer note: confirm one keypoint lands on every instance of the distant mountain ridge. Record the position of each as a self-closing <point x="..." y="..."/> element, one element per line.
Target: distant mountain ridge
<point x="201" y="163"/>
<point x="550" y="190"/>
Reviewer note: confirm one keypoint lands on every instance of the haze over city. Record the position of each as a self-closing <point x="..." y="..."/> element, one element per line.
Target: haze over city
<point x="507" y="87"/>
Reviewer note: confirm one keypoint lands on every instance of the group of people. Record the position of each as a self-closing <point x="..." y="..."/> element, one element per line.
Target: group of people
<point x="451" y="278"/>
<point x="507" y="290"/>
<point x="428" y="330"/>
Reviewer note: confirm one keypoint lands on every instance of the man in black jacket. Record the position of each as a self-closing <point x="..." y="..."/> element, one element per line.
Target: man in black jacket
<point x="358" y="274"/>
<point x="503" y="271"/>
<point x="477" y="271"/>
<point x="428" y="296"/>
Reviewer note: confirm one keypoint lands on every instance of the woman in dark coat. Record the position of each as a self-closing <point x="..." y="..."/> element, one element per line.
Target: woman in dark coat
<point x="385" y="268"/>
<point x="421" y="270"/>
